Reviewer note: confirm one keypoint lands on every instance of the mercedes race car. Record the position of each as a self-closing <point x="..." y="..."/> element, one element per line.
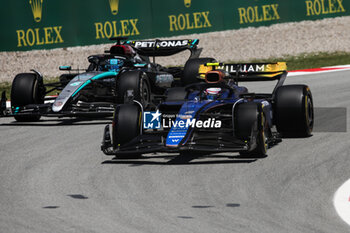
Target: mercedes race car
<point x="217" y="115"/>
<point x="125" y="70"/>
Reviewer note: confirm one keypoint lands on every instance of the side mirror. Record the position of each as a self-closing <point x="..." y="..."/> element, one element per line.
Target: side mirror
<point x="65" y="68"/>
<point x="93" y="60"/>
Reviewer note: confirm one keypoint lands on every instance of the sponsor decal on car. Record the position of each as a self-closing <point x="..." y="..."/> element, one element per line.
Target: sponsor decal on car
<point x="185" y="117"/>
<point x="243" y="68"/>
<point x="161" y="44"/>
<point x="75" y="84"/>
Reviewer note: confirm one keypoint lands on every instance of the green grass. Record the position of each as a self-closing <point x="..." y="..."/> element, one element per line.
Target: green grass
<point x="304" y="61"/>
<point x="5" y="86"/>
<point x="51" y="80"/>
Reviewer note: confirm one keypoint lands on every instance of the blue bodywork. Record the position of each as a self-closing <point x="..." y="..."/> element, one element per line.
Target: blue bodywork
<point x="245" y="120"/>
<point x="181" y="136"/>
<point x="196" y="104"/>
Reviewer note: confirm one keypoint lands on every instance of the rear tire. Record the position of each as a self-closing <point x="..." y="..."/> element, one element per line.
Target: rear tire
<point x="294" y="113"/>
<point x="26" y="89"/>
<point x="136" y="81"/>
<point x="191" y="69"/>
<point x="126" y="126"/>
<point x="250" y="118"/>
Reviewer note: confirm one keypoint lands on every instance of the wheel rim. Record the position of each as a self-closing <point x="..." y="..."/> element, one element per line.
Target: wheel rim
<point x="144" y="93"/>
<point x="309" y="112"/>
<point x="264" y="132"/>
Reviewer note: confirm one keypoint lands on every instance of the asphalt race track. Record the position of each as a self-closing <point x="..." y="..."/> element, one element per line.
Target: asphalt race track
<point x="54" y="178"/>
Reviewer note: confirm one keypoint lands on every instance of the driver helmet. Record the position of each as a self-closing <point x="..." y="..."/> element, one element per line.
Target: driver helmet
<point x="114" y="64"/>
<point x="123" y="50"/>
<point x="212" y="93"/>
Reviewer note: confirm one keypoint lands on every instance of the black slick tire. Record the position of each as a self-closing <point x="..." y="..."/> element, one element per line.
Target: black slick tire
<point x="126" y="126"/>
<point x="137" y="82"/>
<point x="27" y="89"/>
<point x="294" y="113"/>
<point x="250" y="120"/>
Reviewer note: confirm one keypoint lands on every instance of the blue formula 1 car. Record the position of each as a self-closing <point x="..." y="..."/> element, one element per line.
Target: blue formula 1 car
<point x="217" y="115"/>
<point x="124" y="70"/>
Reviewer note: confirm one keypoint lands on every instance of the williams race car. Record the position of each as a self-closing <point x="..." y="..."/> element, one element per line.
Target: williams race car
<point x="217" y="115"/>
<point x="124" y="70"/>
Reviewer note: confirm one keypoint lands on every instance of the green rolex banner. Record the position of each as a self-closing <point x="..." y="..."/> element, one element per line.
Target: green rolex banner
<point x="43" y="24"/>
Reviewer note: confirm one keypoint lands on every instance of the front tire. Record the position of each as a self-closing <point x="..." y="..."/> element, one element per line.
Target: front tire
<point x="126" y="126"/>
<point x="250" y="121"/>
<point x="26" y="89"/>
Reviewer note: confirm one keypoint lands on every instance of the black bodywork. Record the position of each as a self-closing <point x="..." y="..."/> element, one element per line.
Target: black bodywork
<point x="96" y="90"/>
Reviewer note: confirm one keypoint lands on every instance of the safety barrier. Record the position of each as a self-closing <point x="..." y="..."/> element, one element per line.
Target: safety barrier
<point x="43" y="24"/>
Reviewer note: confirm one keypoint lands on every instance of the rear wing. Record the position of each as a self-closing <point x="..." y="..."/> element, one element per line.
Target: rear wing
<point x="153" y="48"/>
<point x="248" y="71"/>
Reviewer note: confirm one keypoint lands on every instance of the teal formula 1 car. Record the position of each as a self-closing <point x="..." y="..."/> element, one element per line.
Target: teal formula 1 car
<point x="111" y="78"/>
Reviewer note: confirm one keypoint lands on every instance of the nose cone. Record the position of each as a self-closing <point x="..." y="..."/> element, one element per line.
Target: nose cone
<point x="57" y="106"/>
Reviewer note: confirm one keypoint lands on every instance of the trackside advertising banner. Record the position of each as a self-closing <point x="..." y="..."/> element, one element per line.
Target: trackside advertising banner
<point x="46" y="24"/>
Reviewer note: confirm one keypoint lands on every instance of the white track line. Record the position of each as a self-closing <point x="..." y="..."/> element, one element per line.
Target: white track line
<point x="306" y="72"/>
<point x="340" y="66"/>
<point x="341" y="202"/>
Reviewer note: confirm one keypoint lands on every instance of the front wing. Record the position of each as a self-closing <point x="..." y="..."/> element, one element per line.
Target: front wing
<point x="214" y="142"/>
<point x="97" y="109"/>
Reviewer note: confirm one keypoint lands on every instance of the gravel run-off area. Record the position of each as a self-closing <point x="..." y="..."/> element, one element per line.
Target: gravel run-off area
<point x="279" y="40"/>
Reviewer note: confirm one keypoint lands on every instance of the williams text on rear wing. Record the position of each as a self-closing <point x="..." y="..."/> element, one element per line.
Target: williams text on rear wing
<point x="248" y="71"/>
